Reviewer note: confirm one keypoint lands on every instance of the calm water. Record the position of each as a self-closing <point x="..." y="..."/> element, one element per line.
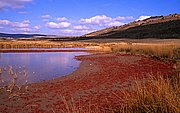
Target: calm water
<point x="39" y="66"/>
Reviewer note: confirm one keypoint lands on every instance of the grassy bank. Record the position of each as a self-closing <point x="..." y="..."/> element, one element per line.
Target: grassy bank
<point x="158" y="95"/>
<point x="158" y="50"/>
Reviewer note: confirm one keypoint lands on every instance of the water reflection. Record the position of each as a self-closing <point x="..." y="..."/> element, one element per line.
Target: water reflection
<point x="41" y="66"/>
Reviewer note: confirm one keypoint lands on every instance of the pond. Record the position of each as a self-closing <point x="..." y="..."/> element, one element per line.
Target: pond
<point x="39" y="66"/>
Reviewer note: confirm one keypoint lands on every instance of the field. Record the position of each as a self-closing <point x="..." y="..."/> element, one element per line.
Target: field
<point x="121" y="75"/>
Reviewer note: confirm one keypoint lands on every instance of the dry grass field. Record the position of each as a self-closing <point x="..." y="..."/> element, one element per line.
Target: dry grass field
<point x="168" y="48"/>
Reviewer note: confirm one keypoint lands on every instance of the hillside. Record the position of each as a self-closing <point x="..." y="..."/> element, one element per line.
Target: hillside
<point x="153" y="27"/>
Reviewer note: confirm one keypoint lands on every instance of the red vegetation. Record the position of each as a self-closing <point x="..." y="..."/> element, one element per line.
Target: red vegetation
<point x="91" y="85"/>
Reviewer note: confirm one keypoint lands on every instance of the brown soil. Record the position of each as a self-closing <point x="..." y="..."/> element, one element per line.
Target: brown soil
<point x="92" y="84"/>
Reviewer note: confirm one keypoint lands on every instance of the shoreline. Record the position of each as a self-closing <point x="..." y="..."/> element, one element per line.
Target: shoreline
<point x="43" y="50"/>
<point x="95" y="81"/>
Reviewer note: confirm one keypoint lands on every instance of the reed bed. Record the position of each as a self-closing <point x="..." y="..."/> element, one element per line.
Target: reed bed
<point x="156" y="50"/>
<point x="162" y="49"/>
<point x="42" y="44"/>
<point x="158" y="95"/>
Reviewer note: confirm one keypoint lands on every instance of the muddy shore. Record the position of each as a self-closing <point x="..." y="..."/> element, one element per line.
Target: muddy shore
<point x="92" y="84"/>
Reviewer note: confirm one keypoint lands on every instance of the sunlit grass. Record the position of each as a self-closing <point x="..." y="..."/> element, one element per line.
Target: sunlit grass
<point x="157" y="95"/>
<point x="160" y="51"/>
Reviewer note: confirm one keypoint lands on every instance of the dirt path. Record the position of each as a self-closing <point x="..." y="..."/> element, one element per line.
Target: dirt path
<point x="91" y="85"/>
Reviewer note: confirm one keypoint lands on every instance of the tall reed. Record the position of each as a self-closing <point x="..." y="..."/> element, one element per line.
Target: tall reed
<point x="9" y="82"/>
<point x="158" y="95"/>
<point x="160" y="51"/>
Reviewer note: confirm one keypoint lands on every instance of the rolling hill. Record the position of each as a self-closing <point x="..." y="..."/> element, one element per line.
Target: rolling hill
<point x="153" y="27"/>
<point x="162" y="27"/>
<point x="5" y="35"/>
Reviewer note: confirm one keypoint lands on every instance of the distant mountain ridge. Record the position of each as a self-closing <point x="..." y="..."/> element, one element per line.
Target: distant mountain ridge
<point x="5" y="35"/>
<point x="153" y="27"/>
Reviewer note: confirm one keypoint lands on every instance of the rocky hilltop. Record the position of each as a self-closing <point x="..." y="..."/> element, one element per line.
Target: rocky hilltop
<point x="153" y="27"/>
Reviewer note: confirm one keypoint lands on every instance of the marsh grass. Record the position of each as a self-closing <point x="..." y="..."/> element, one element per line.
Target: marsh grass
<point x="157" y="95"/>
<point x="158" y="50"/>
<point x="164" y="49"/>
<point x="9" y="82"/>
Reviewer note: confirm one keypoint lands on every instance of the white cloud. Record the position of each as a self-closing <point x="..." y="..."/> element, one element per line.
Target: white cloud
<point x="26" y="21"/>
<point x="130" y="17"/>
<point x="143" y="17"/>
<point x="19" y="27"/>
<point x="46" y="16"/>
<point x="115" y="23"/>
<point x="64" y="26"/>
<point x="120" y="18"/>
<point x="72" y="32"/>
<point x="5" y="22"/>
<point x="61" y="19"/>
<point x="99" y="19"/>
<point x="23" y="12"/>
<point x="13" y="3"/>
<point x="85" y="25"/>
<point x="103" y="20"/>
<point x="81" y="27"/>
<point x="54" y="25"/>
<point x="22" y="24"/>
<point x="22" y="30"/>
<point x="37" y="27"/>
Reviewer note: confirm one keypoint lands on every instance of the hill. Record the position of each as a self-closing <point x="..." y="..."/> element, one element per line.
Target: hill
<point x="153" y="27"/>
<point x="5" y="35"/>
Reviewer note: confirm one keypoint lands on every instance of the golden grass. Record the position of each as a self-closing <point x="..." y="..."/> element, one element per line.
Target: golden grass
<point x="42" y="44"/>
<point x="158" y="50"/>
<point x="158" y="95"/>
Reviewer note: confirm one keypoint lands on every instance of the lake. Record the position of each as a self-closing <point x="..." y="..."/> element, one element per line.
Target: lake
<point x="39" y="66"/>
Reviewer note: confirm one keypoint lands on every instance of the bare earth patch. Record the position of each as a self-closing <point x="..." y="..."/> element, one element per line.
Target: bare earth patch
<point x="93" y="84"/>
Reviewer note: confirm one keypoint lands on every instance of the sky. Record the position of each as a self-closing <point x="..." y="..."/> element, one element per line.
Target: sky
<point x="77" y="17"/>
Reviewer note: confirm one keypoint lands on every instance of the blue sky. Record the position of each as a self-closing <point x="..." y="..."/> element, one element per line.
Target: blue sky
<point x="77" y="17"/>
